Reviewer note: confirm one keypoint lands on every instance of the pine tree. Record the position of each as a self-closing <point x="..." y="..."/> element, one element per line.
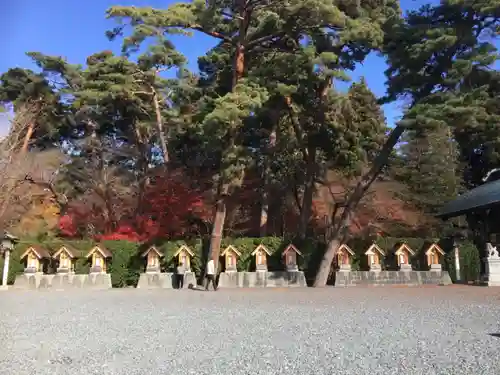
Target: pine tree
<point x="24" y="88"/>
<point x="249" y="31"/>
<point x="430" y="52"/>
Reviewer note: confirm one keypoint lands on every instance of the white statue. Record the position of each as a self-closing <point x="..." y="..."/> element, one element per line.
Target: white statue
<point x="491" y="250"/>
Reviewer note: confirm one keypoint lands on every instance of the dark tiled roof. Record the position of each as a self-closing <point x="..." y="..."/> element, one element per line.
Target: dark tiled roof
<point x="482" y="197"/>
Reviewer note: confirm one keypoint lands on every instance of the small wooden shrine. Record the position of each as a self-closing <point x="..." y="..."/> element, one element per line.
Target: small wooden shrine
<point x="66" y="257"/>
<point x="231" y="255"/>
<point x="99" y="257"/>
<point x="433" y="256"/>
<point x="36" y="258"/>
<point x="261" y="253"/>
<point x="153" y="259"/>
<point x="290" y="257"/>
<point x="403" y="256"/>
<point x="344" y="258"/>
<point x="183" y="256"/>
<point x="374" y="253"/>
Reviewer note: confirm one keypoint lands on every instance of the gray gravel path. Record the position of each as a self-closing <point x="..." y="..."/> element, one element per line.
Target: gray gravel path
<point x="438" y="330"/>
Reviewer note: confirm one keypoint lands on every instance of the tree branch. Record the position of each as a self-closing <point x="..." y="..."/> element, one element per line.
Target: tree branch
<point x="264" y="39"/>
<point x="215" y="34"/>
<point x="60" y="199"/>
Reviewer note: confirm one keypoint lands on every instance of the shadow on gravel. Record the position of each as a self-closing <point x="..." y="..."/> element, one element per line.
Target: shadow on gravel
<point x="196" y="288"/>
<point x="497" y="335"/>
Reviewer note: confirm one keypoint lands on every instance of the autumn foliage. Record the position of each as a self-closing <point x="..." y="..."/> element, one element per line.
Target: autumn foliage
<point x="169" y="208"/>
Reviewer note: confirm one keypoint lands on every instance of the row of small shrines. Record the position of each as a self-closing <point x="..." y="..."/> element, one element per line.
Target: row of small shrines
<point x="35" y="257"/>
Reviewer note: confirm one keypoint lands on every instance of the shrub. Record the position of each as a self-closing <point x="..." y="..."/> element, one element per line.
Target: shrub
<point x="125" y="264"/>
<point x="470" y="263"/>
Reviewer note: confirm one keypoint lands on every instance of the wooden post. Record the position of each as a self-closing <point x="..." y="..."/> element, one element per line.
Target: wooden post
<point x="457" y="264"/>
<point x="5" y="267"/>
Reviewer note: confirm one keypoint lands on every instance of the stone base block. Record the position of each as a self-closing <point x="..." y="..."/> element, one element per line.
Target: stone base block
<point x="62" y="281"/>
<point x="296" y="279"/>
<point x="229" y="279"/>
<point x="405" y="268"/>
<point x="262" y="279"/>
<point x="492" y="272"/>
<point x="166" y="280"/>
<point x="410" y="278"/>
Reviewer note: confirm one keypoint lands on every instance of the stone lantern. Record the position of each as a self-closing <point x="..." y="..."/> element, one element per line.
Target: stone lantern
<point x="7" y="245"/>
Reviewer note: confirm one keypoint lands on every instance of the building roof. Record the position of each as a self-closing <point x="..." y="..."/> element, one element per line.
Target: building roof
<point x="291" y="247"/>
<point x="480" y="198"/>
<point x="152" y="248"/>
<point x="346" y="248"/>
<point x="231" y="248"/>
<point x="185" y="248"/>
<point x="72" y="252"/>
<point x="39" y="252"/>
<point x="404" y="246"/>
<point x="373" y="247"/>
<point x="436" y="247"/>
<point x="261" y="247"/>
<point x="100" y="248"/>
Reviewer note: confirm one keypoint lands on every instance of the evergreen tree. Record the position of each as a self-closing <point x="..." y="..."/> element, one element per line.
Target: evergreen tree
<point x="428" y="164"/>
<point x="430" y="52"/>
<point x="24" y="88"/>
<point x="251" y="32"/>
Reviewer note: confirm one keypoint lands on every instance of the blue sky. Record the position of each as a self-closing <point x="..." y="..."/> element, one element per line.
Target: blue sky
<point x="75" y="30"/>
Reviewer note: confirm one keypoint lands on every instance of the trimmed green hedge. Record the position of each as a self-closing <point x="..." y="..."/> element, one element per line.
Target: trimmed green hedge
<point x="127" y="263"/>
<point x="470" y="265"/>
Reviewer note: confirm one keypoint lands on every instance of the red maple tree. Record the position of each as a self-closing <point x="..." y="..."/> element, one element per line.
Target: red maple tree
<point x="168" y="208"/>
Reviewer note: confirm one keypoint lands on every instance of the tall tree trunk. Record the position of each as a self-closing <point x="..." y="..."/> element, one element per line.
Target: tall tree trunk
<point x="238" y="72"/>
<point x="218" y="226"/>
<point x="264" y="210"/>
<point x="142" y="166"/>
<point x="27" y="137"/>
<point x="307" y="199"/>
<point x="159" y="127"/>
<point x="342" y="227"/>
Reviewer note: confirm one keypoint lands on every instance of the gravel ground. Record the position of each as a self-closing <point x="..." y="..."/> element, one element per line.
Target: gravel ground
<point x="433" y="330"/>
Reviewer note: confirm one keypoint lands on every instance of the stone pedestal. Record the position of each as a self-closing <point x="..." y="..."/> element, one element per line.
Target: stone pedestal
<point x="375" y="268"/>
<point x="157" y="280"/>
<point x="436" y="267"/>
<point x="292" y="268"/>
<point x="405" y="267"/>
<point x="165" y="280"/>
<point x="261" y="267"/>
<point x="262" y="279"/>
<point x="411" y="278"/>
<point x="152" y="269"/>
<point x="64" y="271"/>
<point x="96" y="269"/>
<point x="492" y="271"/>
<point x="231" y="269"/>
<point x="30" y="271"/>
<point x="345" y="268"/>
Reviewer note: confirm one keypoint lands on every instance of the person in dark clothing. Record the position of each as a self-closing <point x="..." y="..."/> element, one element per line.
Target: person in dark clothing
<point x="211" y="275"/>
<point x="181" y="270"/>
